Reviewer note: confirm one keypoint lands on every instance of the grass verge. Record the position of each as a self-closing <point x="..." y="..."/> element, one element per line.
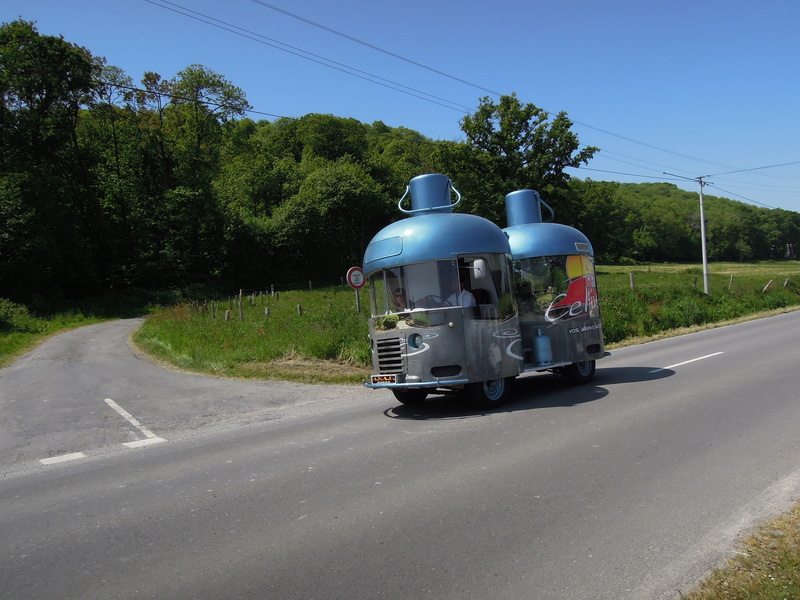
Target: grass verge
<point x="309" y="337"/>
<point x="766" y="565"/>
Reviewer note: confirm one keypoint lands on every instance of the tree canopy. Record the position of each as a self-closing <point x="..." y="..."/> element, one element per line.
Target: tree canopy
<point x="512" y="146"/>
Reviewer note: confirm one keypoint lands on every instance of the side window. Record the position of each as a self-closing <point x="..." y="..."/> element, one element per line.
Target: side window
<point x="546" y="284"/>
<point x="396" y="290"/>
<point x="378" y="300"/>
<point x="477" y="274"/>
<point x="488" y="277"/>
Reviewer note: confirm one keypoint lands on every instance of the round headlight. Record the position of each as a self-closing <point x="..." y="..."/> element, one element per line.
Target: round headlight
<point x="415" y="341"/>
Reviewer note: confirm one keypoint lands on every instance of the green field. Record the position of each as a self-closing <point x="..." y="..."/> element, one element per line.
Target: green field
<point x="328" y="341"/>
<point x="670" y="297"/>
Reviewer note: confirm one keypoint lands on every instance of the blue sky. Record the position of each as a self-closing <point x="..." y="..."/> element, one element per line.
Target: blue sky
<point x="691" y="88"/>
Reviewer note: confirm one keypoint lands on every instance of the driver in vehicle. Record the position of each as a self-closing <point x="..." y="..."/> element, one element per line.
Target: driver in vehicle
<point x="463" y="298"/>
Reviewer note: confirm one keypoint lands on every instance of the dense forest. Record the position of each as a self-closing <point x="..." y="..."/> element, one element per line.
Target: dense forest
<point x="109" y="184"/>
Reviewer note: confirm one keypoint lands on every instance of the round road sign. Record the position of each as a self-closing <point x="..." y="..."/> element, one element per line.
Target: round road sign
<point x="355" y="278"/>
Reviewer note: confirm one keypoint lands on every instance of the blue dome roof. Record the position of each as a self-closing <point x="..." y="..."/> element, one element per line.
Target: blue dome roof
<point x="433" y="236"/>
<point x="546" y="239"/>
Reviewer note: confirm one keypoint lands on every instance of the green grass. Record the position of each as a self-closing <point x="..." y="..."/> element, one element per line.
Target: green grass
<point x="328" y="342"/>
<point x="766" y="565"/>
<point x="671" y="297"/>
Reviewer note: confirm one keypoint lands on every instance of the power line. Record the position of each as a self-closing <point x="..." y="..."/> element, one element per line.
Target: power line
<point x="373" y="47"/>
<point x="433" y="70"/>
<point x="299" y="52"/>
<point x="646" y="144"/>
<point x="677" y="178"/>
<point x="796" y="162"/>
<point x="295" y="51"/>
<point x="606" y="153"/>
<point x="626" y="174"/>
<point x="742" y="197"/>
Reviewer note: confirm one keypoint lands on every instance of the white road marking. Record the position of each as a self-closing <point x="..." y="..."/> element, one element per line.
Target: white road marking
<point x="147" y="442"/>
<point x="152" y="438"/>
<point x="686" y="362"/>
<point x="63" y="458"/>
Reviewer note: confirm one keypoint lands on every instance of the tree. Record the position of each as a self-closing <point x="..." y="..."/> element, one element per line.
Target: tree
<point x="324" y="228"/>
<point x="183" y="124"/>
<point x="397" y="155"/>
<point x="201" y="102"/>
<point x="331" y="138"/>
<point x="49" y="247"/>
<point x="511" y="146"/>
<point x="602" y="217"/>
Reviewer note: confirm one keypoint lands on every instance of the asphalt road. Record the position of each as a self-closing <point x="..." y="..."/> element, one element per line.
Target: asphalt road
<point x="120" y="479"/>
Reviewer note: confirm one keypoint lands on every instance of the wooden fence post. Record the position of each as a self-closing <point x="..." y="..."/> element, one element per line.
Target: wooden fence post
<point x="633" y="280"/>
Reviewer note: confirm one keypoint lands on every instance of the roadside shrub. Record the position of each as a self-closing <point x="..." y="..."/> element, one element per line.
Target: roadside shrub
<point x="15" y="317"/>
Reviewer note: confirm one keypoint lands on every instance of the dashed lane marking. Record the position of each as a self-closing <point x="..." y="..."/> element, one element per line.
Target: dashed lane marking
<point x="62" y="458"/>
<point x="686" y="362"/>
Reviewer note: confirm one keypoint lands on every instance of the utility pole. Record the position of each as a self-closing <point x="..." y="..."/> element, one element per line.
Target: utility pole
<point x="703" y="235"/>
<point x="701" y="181"/>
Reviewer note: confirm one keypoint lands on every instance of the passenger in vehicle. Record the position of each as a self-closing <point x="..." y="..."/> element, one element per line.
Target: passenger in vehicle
<point x="400" y="302"/>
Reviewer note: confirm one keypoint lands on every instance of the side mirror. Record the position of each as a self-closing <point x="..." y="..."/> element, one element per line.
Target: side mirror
<point x="479" y="269"/>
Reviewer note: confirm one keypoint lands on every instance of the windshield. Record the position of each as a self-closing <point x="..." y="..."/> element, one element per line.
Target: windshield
<point x="481" y="282"/>
<point x="423" y="285"/>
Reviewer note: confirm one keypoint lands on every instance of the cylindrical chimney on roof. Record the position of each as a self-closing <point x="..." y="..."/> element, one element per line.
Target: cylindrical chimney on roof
<point x="430" y="193"/>
<point x="523" y="207"/>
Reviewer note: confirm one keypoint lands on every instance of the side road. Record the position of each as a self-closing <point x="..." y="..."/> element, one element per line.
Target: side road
<point x="53" y="399"/>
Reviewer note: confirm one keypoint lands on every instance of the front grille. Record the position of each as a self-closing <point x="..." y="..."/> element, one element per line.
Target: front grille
<point x="390" y="355"/>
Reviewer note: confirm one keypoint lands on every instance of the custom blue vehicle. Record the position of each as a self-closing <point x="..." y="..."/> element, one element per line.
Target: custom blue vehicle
<point x="459" y="304"/>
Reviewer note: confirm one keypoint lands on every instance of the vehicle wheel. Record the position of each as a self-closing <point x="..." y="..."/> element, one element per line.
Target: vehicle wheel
<point x="580" y="372"/>
<point x="489" y="394"/>
<point x="410" y="397"/>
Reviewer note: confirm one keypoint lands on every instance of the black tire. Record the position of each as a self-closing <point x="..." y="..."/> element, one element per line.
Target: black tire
<point x="580" y="372"/>
<point x="410" y="397"/>
<point x="489" y="394"/>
